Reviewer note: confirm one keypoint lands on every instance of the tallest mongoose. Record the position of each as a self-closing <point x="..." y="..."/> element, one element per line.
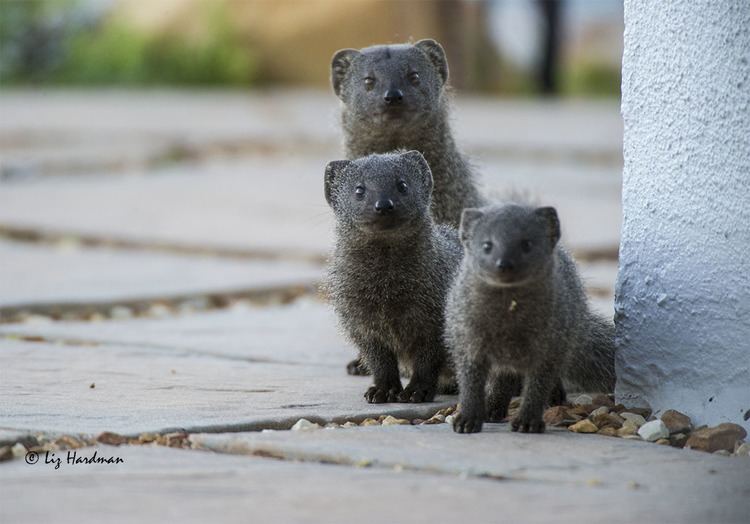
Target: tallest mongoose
<point x="396" y="97"/>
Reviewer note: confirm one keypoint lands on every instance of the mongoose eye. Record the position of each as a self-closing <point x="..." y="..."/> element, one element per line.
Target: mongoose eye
<point x="414" y="77"/>
<point x="360" y="192"/>
<point x="402" y="187"/>
<point x="369" y="83"/>
<point x="526" y="245"/>
<point x="487" y="247"/>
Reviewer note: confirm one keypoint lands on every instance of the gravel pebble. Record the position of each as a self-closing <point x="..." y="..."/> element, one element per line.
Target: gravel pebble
<point x="582" y="400"/>
<point x="653" y="431"/>
<point x="584" y="426"/>
<point x="304" y="425"/>
<point x="393" y="421"/>
<point x="676" y="422"/>
<point x="601" y="410"/>
<point x="634" y="417"/>
<point x="743" y="450"/>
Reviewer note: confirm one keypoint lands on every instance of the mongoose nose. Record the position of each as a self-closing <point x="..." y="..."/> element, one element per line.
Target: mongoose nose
<point x="504" y="265"/>
<point x="384" y="206"/>
<point x="393" y="97"/>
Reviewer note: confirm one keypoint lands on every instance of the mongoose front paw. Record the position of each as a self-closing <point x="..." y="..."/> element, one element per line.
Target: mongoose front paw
<point x="528" y="424"/>
<point x="467" y="422"/>
<point x="381" y="394"/>
<point x="357" y="367"/>
<point x="417" y="393"/>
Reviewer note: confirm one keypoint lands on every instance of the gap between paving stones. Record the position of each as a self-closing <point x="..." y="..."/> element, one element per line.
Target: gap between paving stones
<point x="145" y="307"/>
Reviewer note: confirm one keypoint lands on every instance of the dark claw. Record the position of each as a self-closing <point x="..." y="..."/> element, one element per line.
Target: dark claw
<point x="417" y="393"/>
<point x="470" y="423"/>
<point x="528" y="425"/>
<point x="379" y="395"/>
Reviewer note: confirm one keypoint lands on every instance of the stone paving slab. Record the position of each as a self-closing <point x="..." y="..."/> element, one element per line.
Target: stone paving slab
<point x="558" y="455"/>
<point x="275" y="203"/>
<point x="41" y="274"/>
<point x="304" y="332"/>
<point x="47" y="387"/>
<point x="168" y="485"/>
<point x="57" y="120"/>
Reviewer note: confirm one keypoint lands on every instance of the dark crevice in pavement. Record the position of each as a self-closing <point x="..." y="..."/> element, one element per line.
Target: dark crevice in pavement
<point x="45" y="236"/>
<point x="141" y="307"/>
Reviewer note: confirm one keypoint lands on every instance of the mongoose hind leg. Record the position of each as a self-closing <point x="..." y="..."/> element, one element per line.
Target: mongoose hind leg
<point x="502" y="388"/>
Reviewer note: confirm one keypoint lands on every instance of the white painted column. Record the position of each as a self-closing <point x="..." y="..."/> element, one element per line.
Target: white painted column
<point x="683" y="290"/>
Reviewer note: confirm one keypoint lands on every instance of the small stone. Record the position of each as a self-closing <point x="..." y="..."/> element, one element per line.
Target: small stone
<point x="582" y="411"/>
<point x="159" y="311"/>
<point x="601" y="410"/>
<point x="743" y="450"/>
<point x="92" y="385"/>
<point x="723" y="436"/>
<point x="582" y="400"/>
<point x="6" y="453"/>
<point x="145" y="438"/>
<point x="618" y="408"/>
<point x="304" y="425"/>
<point x="393" y="421"/>
<point x="369" y="422"/>
<point x="676" y="422"/>
<point x="440" y="418"/>
<point x="120" y="313"/>
<point x="632" y="437"/>
<point x="653" y="431"/>
<point x="637" y="419"/>
<point x="608" y="431"/>
<point x="628" y="428"/>
<point x="417" y="421"/>
<point x="69" y="442"/>
<point x="644" y="412"/>
<point x="555" y="416"/>
<point x="18" y="450"/>
<point x="722" y="452"/>
<point x="349" y="424"/>
<point x="113" y="439"/>
<point x="584" y="426"/>
<point x="663" y="442"/>
<point x="175" y="440"/>
<point x="332" y="425"/>
<point x="449" y="419"/>
<point x="604" y="420"/>
<point x="678" y="440"/>
<point x="450" y="410"/>
<point x="600" y="399"/>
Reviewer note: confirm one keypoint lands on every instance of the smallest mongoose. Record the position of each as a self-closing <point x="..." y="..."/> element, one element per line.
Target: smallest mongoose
<point x="517" y="308"/>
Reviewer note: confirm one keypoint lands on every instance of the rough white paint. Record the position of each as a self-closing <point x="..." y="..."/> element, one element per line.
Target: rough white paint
<point x="683" y="291"/>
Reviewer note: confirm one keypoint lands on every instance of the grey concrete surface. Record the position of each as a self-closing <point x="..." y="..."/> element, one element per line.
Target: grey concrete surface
<point x="42" y="274"/>
<point x="162" y="484"/>
<point x="304" y="332"/>
<point x="138" y="388"/>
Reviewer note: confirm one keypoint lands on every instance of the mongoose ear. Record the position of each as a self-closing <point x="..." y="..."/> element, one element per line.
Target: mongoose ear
<point x="469" y="218"/>
<point x="340" y="63"/>
<point x="436" y="54"/>
<point x="333" y="170"/>
<point x="549" y="214"/>
<point x="417" y="159"/>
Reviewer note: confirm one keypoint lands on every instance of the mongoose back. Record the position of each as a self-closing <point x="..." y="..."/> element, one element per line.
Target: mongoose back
<point x="396" y="97"/>
<point x="516" y="307"/>
<point x="390" y="271"/>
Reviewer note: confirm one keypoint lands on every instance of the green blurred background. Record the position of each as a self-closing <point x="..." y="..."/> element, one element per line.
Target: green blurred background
<point x="493" y="46"/>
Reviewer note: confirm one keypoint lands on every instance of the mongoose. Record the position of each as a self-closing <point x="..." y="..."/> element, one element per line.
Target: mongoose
<point x="397" y="97"/>
<point x="390" y="271"/>
<point x="517" y="307"/>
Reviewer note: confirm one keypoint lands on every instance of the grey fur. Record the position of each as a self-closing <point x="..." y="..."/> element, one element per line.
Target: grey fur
<point x="390" y="271"/>
<point x="420" y="122"/>
<point x="517" y="306"/>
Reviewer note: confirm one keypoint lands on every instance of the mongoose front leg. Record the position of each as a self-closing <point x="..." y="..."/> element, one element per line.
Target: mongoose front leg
<point x="537" y="389"/>
<point x="503" y="386"/>
<point x="558" y="397"/>
<point x="387" y="382"/>
<point x="472" y="378"/>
